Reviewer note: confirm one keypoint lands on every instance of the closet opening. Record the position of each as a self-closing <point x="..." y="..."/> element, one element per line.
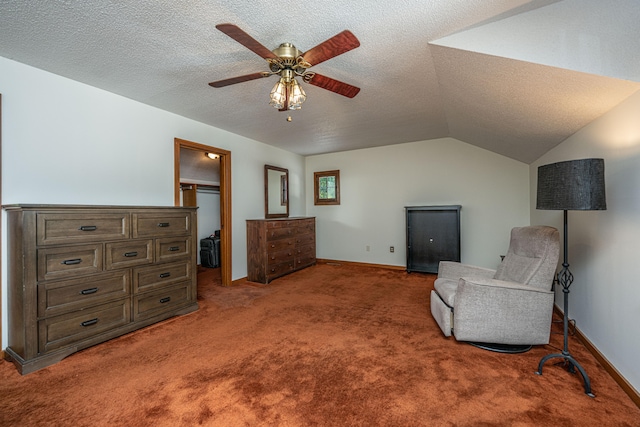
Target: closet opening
<point x="205" y="181"/>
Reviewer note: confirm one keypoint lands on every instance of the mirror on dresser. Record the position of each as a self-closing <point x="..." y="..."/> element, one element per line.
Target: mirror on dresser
<point x="276" y="192"/>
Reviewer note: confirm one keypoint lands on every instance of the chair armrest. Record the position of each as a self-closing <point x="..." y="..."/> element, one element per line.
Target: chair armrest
<point x="490" y="310"/>
<point x="455" y="270"/>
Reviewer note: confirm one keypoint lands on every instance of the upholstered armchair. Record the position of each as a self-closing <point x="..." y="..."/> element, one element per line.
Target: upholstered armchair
<point x="509" y="306"/>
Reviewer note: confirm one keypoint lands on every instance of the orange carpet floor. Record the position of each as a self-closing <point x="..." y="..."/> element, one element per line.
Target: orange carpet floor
<point x="327" y="346"/>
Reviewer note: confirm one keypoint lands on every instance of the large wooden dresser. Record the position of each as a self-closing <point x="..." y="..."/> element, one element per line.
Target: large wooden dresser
<point x="80" y="275"/>
<point x="276" y="247"/>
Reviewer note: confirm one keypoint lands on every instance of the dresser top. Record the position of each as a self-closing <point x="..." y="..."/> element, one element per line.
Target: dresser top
<point x="85" y="207"/>
<point x="282" y="219"/>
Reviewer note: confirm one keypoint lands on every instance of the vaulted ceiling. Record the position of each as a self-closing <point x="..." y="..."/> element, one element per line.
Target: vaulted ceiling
<point x="512" y="76"/>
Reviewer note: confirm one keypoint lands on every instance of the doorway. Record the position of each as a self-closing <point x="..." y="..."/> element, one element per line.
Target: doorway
<point x="225" y="198"/>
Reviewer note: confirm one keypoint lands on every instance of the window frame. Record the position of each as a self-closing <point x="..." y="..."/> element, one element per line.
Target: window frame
<point x="316" y="188"/>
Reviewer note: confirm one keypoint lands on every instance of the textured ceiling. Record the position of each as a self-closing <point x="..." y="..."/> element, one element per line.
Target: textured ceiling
<point x="512" y="76"/>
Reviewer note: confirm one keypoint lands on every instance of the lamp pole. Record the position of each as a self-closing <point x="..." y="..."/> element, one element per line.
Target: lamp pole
<point x="565" y="278"/>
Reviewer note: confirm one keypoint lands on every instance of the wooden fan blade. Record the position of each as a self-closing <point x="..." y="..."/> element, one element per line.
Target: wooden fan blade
<point x="239" y="79"/>
<point x="333" y="85"/>
<point x="246" y="40"/>
<point x="336" y="45"/>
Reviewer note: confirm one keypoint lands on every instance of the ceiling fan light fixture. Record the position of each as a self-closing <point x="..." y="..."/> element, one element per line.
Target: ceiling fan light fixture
<point x="278" y="94"/>
<point x="287" y="61"/>
<point x="296" y="95"/>
<point x="287" y="86"/>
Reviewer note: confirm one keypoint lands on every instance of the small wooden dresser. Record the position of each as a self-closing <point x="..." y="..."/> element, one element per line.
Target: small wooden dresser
<point x="80" y="275"/>
<point x="276" y="247"/>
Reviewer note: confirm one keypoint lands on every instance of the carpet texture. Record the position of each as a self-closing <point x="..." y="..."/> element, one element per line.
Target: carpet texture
<point x="327" y="346"/>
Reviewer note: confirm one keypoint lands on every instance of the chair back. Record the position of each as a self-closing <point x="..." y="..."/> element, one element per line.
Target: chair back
<point x="532" y="258"/>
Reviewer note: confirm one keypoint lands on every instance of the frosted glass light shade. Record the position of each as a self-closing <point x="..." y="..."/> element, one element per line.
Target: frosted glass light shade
<point x="278" y="95"/>
<point x="296" y="95"/>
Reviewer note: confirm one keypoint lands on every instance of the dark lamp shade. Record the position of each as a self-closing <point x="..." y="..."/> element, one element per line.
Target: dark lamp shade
<point x="572" y="185"/>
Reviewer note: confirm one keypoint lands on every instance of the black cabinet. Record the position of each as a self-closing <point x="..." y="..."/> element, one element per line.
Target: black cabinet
<point x="433" y="235"/>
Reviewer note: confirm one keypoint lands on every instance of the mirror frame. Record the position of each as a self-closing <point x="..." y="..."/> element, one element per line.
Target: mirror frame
<point x="284" y="195"/>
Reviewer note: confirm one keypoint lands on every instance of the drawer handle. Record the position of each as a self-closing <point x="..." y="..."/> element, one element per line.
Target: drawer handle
<point x="165" y="275"/>
<point x="89" y="322"/>
<point x="89" y="291"/>
<point x="165" y="299"/>
<point x="72" y="261"/>
<point x="130" y="254"/>
<point x="163" y="224"/>
<point x="273" y="246"/>
<point x="174" y="248"/>
<point x="88" y="228"/>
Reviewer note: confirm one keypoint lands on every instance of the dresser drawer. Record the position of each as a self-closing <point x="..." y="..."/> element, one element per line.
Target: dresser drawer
<point x="57" y="263"/>
<point x="170" y="248"/>
<point x="280" y="233"/>
<point x="280" y="256"/>
<point x="66" y="329"/>
<point x="147" y="278"/>
<point x="305" y="239"/>
<point x="128" y="254"/>
<point x="303" y="261"/>
<point x="161" y="224"/>
<point x="306" y="226"/>
<point x="277" y="270"/>
<point x="55" y="298"/>
<point x="157" y="302"/>
<point x="282" y="223"/>
<point x="279" y="245"/>
<point x="56" y="228"/>
<point x="306" y="251"/>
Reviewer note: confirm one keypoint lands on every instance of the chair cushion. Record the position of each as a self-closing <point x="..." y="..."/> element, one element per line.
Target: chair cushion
<point x="517" y="268"/>
<point x="532" y="257"/>
<point x="446" y="288"/>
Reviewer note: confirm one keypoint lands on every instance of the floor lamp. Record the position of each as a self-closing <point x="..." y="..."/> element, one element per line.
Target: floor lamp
<point x="571" y="185"/>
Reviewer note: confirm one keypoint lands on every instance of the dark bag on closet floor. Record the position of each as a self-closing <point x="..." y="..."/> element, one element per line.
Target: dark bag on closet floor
<point x="210" y="252"/>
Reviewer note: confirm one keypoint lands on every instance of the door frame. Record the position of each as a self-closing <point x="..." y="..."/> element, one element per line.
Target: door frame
<point x="1" y="204"/>
<point x="225" y="198"/>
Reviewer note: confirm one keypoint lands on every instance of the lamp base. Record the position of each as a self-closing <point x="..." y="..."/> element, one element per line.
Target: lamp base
<point x="502" y="348"/>
<point x="572" y="364"/>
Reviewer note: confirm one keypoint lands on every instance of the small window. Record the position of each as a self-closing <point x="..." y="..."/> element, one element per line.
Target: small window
<point x="326" y="188"/>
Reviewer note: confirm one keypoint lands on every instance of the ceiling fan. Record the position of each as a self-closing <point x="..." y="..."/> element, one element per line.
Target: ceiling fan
<point x="288" y="62"/>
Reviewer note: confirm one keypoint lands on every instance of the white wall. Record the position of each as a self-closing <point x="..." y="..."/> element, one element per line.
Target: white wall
<point x="604" y="245"/>
<point x="65" y="142"/>
<point x="377" y="183"/>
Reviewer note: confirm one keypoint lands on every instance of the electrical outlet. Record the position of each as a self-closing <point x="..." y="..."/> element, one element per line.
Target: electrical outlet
<point x="368" y="248"/>
<point x="392" y="249"/>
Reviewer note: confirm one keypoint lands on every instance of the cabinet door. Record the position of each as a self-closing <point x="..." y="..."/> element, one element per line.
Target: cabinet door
<point x="433" y="235"/>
